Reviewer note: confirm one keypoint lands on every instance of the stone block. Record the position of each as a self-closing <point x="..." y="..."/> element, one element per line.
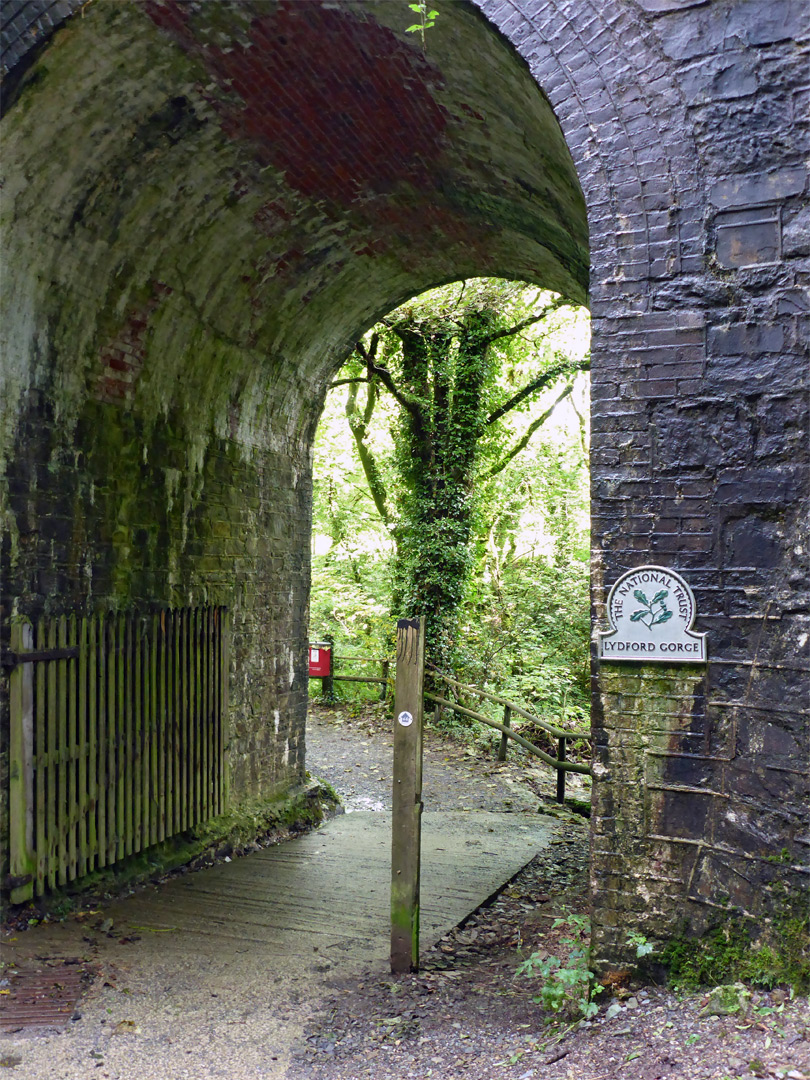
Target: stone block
<point x="748" y="237"/>
<point x="759" y="188"/>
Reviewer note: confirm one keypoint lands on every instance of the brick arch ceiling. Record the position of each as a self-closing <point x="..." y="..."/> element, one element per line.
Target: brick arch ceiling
<point x="260" y="181"/>
<point x="624" y="117"/>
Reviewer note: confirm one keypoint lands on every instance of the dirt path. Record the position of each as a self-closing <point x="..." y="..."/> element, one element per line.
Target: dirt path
<point x="467" y="1013"/>
<point x="355" y="756"/>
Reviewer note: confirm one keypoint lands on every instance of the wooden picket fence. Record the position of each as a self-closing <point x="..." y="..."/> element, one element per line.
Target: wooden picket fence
<point x="117" y="741"/>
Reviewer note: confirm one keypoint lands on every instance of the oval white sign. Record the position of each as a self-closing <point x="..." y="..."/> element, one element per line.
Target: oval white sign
<point x="405" y="719"/>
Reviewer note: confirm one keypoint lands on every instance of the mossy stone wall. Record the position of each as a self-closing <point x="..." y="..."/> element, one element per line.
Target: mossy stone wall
<point x="205" y="204"/>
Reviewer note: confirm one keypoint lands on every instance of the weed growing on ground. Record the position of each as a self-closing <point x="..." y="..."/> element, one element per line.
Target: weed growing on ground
<point x="567" y="985"/>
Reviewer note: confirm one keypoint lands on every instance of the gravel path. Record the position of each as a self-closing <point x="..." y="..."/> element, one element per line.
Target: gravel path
<point x="465" y="1014"/>
<point x="468" y="1015"/>
<point x="355" y="757"/>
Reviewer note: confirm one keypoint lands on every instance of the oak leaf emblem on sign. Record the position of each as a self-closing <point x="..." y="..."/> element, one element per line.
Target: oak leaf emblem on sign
<point x="655" y="610"/>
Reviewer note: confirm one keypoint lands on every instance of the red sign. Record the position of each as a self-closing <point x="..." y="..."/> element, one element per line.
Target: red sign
<point x="320" y="660"/>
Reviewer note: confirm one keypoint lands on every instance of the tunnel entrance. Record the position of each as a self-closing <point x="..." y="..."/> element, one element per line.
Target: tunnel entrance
<point x="206" y="204"/>
<point x="451" y="480"/>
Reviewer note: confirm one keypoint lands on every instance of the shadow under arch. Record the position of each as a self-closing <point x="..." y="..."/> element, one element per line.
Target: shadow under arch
<point x="205" y="205"/>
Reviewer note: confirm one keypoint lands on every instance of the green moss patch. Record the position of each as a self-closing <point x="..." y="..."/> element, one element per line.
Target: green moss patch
<point x="730" y="952"/>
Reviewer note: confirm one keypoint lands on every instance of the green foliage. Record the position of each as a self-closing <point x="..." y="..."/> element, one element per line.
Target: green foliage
<point x="528" y="636"/>
<point x="727" y="953"/>
<point x="639" y="943"/>
<point x="427" y="19"/>
<point x="441" y="510"/>
<point x="567" y="985"/>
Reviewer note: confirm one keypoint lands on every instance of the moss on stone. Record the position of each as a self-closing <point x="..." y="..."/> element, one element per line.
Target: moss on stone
<point x="727" y="1000"/>
<point x="730" y="952"/>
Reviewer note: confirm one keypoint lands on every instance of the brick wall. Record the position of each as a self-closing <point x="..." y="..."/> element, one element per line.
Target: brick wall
<point x="688" y="124"/>
<point x="206" y="206"/>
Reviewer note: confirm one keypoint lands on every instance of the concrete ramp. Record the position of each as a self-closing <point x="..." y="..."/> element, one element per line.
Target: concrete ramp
<point x="328" y="892"/>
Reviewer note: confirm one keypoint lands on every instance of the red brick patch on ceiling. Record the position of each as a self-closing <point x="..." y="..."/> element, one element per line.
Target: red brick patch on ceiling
<point x="329" y="97"/>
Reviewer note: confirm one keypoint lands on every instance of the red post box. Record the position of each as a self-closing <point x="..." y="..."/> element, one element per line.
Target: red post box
<point x="320" y="659"/>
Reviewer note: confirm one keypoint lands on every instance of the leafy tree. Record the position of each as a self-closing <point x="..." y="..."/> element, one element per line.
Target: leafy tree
<point x="459" y="365"/>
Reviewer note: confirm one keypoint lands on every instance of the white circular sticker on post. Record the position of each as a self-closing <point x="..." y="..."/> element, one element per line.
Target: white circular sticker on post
<point x="651" y="612"/>
<point x="405" y="719"/>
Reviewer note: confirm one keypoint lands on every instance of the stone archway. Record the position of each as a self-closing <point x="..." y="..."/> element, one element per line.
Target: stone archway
<point x="205" y="203"/>
<point x="201" y="233"/>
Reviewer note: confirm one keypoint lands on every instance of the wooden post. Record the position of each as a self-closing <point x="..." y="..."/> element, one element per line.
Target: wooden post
<point x="64" y="810"/>
<point x="507" y="722"/>
<point x="87" y="721"/>
<point x="561" y="772"/>
<point x="224" y="719"/>
<point x="407" y="795"/>
<point x="21" y="779"/>
<point x="40" y="765"/>
<point x="92" y="746"/>
<point x="51" y="750"/>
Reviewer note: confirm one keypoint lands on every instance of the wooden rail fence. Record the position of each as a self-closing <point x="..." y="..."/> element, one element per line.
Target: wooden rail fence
<point x="117" y="741"/>
<point x="562" y="735"/>
<point x="382" y="679"/>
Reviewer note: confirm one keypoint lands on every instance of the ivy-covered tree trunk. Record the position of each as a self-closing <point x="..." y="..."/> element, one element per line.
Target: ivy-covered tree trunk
<point x="444" y="373"/>
<point x="442" y="364"/>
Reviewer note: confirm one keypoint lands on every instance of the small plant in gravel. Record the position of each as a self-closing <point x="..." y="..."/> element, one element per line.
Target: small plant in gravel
<point x="567" y="983"/>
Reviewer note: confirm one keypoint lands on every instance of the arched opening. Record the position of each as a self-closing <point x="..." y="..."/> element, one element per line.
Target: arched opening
<point x="451" y="480"/>
<point x="205" y="207"/>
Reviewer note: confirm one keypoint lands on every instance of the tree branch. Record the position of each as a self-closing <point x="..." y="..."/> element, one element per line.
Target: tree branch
<point x="523" y="442"/>
<point x="566" y="367"/>
<point x="411" y="404"/>
<point x="345" y="382"/>
<point x="526" y="322"/>
<point x="359" y="426"/>
<point x="582" y="428"/>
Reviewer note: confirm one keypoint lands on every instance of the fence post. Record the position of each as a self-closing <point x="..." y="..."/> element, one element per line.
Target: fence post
<point x="507" y="722"/>
<point x="561" y="772"/>
<point x="407" y="795"/>
<point x="21" y="778"/>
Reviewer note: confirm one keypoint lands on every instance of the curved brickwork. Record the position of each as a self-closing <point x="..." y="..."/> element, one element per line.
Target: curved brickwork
<point x="25" y="26"/>
<point x="207" y="203"/>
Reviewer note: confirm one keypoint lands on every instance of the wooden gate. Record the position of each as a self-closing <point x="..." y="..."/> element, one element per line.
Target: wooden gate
<point x="117" y="738"/>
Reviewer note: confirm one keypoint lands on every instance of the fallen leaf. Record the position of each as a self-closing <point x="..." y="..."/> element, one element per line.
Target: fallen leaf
<point x="126" y="1027"/>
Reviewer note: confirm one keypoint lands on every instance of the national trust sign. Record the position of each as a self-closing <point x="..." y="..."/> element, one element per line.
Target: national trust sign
<point x="651" y="611"/>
